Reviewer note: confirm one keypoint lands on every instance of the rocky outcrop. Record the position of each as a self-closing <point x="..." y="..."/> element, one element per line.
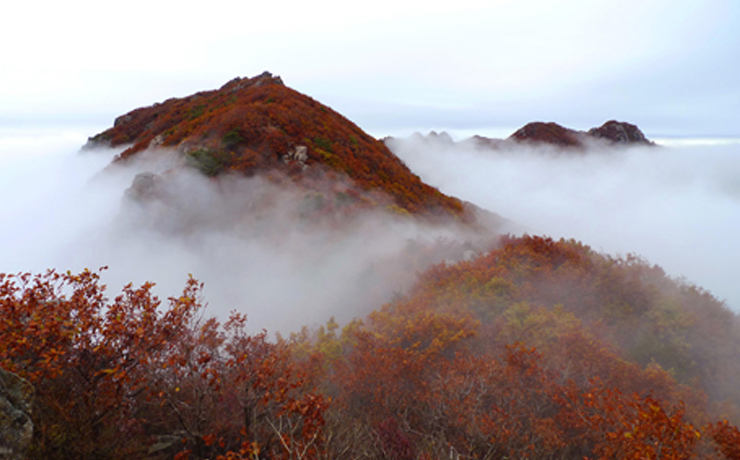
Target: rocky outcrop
<point x="16" y="426"/>
<point x="297" y="155"/>
<point x="144" y="187"/>
<point x="551" y="133"/>
<point x="239" y="83"/>
<point x="619" y="132"/>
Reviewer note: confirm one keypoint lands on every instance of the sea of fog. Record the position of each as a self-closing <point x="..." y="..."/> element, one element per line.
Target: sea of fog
<point x="677" y="206"/>
<point x="246" y="239"/>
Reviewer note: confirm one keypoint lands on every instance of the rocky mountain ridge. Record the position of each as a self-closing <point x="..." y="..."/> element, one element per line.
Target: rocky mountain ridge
<point x="611" y="134"/>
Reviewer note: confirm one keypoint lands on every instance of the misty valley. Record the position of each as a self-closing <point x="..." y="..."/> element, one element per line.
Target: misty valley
<point x="244" y="273"/>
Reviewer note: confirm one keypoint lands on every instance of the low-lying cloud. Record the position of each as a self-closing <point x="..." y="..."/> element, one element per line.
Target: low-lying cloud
<point x="678" y="207"/>
<point x="248" y="240"/>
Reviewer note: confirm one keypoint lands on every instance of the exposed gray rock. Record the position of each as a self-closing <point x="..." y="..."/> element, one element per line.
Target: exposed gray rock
<point x="619" y="132"/>
<point x="299" y="155"/>
<point x="157" y="141"/>
<point x="265" y="77"/>
<point x="123" y="119"/>
<point x="144" y="187"/>
<point x="16" y="426"/>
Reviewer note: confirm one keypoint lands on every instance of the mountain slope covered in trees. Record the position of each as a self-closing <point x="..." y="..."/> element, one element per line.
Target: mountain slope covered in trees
<point x="256" y="125"/>
<point x="537" y="349"/>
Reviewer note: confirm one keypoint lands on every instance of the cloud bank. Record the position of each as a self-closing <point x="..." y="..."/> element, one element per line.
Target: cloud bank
<point x="249" y="240"/>
<point x="678" y="207"/>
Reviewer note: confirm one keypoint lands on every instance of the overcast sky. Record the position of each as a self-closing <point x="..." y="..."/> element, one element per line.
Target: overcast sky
<point x="670" y="66"/>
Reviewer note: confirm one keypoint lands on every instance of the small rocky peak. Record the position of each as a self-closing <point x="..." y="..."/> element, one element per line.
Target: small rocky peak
<point x="551" y="133"/>
<point x="265" y="78"/>
<point x="619" y="132"/>
<point x="442" y="137"/>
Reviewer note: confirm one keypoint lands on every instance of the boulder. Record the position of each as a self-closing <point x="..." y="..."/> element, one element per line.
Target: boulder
<point x="16" y="426"/>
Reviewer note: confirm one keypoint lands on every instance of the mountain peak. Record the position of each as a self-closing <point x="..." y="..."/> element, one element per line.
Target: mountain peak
<point x="254" y="125"/>
<point x="265" y="78"/>
<point x="619" y="132"/>
<point x="550" y="133"/>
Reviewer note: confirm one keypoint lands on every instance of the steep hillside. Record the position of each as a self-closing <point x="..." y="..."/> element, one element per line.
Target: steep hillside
<point x="530" y="288"/>
<point x="254" y="125"/>
<point x="540" y="349"/>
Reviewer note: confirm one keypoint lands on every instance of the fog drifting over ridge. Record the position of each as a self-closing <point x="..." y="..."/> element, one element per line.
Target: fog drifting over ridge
<point x="243" y="238"/>
<point x="678" y="207"/>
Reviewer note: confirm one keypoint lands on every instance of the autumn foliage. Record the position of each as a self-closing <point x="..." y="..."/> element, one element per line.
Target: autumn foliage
<point x="131" y="378"/>
<point x="251" y="125"/>
<point x="538" y="349"/>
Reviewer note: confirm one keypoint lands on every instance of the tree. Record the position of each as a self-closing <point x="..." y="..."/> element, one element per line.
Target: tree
<point x="86" y="356"/>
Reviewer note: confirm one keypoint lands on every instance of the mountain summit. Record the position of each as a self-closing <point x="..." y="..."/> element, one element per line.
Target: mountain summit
<point x="255" y="125"/>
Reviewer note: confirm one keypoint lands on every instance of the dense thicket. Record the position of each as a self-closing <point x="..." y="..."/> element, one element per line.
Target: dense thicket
<point x="538" y="349"/>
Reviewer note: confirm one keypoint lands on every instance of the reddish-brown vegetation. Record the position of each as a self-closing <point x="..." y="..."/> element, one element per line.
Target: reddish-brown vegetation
<point x="130" y="378"/>
<point x="534" y="350"/>
<point x="254" y="125"/>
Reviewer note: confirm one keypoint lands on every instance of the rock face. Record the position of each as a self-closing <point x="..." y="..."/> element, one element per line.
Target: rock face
<point x="16" y="426"/>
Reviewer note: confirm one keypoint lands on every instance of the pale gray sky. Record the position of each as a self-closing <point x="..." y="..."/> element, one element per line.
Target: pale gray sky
<point x="670" y="66"/>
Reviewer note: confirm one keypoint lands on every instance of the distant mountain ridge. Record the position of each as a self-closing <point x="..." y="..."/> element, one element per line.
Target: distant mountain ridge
<point x="612" y="133"/>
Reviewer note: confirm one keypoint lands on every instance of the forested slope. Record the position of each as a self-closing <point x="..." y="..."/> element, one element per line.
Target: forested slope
<point x="538" y="349"/>
<point x="257" y="125"/>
